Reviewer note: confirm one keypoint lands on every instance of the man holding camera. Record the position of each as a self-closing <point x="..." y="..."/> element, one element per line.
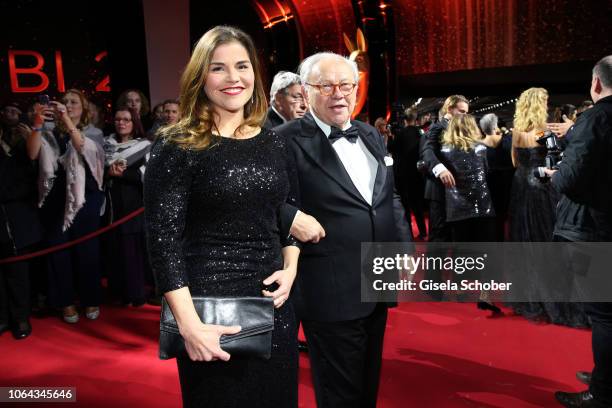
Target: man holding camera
<point x="584" y="213"/>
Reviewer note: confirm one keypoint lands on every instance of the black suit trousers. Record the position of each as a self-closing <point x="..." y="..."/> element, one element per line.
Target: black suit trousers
<point x="346" y="359"/>
<point x="601" y="342"/>
<point x="601" y="382"/>
<point x="14" y="288"/>
<point x="439" y="231"/>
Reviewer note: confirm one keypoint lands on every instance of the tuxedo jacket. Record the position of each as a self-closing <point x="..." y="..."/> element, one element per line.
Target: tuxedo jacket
<point x="328" y="283"/>
<point x="430" y="153"/>
<point x="272" y="119"/>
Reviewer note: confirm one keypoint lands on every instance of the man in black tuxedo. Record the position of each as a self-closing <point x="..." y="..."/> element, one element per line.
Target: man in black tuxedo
<point x="438" y="176"/>
<point x="286" y="100"/>
<point x="345" y="182"/>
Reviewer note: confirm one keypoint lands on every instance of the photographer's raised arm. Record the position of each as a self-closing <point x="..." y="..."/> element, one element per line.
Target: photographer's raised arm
<point x="33" y="142"/>
<point x="76" y="136"/>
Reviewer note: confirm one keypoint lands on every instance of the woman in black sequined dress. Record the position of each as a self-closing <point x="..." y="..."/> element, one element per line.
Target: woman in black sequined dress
<point x="214" y="186"/>
<point x="533" y="206"/>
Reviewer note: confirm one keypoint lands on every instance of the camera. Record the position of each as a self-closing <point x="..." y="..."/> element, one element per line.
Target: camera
<point x="43" y="99"/>
<point x="554" y="154"/>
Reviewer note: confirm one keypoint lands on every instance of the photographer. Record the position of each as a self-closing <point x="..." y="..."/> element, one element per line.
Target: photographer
<point x="70" y="156"/>
<point x="17" y="236"/>
<point x="584" y="213"/>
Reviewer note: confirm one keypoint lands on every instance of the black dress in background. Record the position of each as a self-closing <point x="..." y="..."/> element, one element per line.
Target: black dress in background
<point x="127" y="266"/>
<point x="499" y="179"/>
<point x="533" y="203"/>
<point x="212" y="225"/>
<point x="532" y="218"/>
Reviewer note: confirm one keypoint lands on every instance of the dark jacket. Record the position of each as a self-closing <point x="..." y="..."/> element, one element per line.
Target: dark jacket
<point x="272" y="119"/>
<point x="405" y="152"/>
<point x="19" y="221"/>
<point x="434" y="189"/>
<point x="125" y="196"/>
<point x="584" y="179"/>
<point x="328" y="283"/>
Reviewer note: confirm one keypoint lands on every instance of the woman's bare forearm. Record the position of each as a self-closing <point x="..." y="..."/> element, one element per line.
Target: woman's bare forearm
<point x="290" y="257"/>
<point x="182" y="307"/>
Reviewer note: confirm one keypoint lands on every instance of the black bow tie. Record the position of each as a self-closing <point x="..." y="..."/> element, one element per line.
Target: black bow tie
<point x="350" y="134"/>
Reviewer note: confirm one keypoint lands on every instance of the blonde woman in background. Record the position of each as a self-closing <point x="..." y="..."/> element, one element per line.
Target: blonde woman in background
<point x="533" y="204"/>
<point x="532" y="208"/>
<point x="70" y="156"/>
<point x="469" y="208"/>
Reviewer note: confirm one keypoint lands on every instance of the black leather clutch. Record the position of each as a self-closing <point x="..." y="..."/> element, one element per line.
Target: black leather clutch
<point x="254" y="314"/>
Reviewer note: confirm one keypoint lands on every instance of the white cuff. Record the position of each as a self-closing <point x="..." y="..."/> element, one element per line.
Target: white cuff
<point x="438" y="168"/>
<point x="294" y="217"/>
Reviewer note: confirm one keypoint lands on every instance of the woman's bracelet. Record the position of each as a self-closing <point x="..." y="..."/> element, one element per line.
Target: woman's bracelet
<point x="37" y="129"/>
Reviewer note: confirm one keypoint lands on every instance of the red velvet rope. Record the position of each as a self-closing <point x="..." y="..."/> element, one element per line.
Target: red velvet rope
<point x="72" y="243"/>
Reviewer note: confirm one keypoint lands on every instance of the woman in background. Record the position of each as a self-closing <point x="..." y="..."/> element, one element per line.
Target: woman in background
<point x="532" y="208"/>
<point x="533" y="205"/>
<point x="126" y="156"/>
<point x="71" y="170"/>
<point x="136" y="99"/>
<point x="469" y="208"/>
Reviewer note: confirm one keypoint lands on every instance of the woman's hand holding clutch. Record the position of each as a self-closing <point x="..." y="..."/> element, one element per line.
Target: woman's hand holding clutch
<point x="202" y="341"/>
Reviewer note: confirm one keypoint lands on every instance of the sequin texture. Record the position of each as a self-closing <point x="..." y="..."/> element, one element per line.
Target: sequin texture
<point x="470" y="197"/>
<point x="212" y="225"/>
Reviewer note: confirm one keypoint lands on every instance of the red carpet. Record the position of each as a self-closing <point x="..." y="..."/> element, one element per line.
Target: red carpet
<point x="436" y="355"/>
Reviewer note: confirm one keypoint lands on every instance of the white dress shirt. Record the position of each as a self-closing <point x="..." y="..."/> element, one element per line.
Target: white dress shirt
<point x="359" y="163"/>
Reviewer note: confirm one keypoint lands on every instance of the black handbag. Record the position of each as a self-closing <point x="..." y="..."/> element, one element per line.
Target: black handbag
<point x="255" y="315"/>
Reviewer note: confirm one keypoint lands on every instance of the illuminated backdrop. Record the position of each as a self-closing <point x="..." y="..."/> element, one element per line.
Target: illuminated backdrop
<point x="449" y="35"/>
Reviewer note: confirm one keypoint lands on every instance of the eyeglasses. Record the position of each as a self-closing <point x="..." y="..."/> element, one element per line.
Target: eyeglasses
<point x="346" y="88"/>
<point x="123" y="120"/>
<point x="296" y="98"/>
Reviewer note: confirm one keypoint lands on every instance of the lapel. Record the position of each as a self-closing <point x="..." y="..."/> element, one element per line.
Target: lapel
<point x="381" y="172"/>
<point x="314" y="143"/>
<point x="275" y="117"/>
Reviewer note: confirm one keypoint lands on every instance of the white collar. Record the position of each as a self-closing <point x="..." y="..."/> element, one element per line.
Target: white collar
<point x="278" y="113"/>
<point x="325" y="127"/>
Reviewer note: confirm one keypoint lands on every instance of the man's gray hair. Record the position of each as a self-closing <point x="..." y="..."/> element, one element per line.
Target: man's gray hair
<point x="283" y="80"/>
<point x="488" y="123"/>
<point x="308" y="65"/>
<point x="603" y="71"/>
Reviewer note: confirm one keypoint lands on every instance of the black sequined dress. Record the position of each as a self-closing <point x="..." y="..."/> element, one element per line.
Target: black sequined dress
<point x="211" y="219"/>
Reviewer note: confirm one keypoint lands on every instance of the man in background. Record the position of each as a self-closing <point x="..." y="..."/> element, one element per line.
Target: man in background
<point x="286" y="100"/>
